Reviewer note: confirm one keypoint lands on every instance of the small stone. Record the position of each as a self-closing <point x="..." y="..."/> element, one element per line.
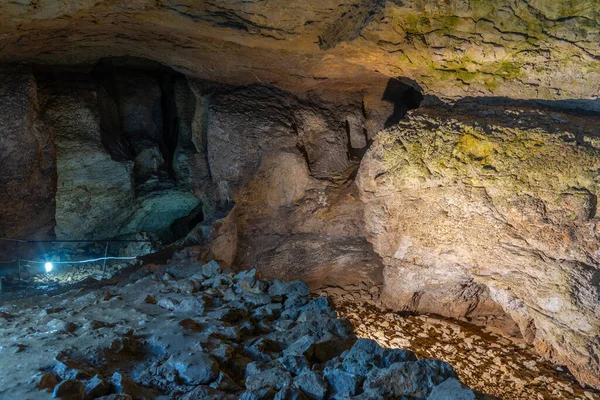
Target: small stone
<point x="263" y="350"/>
<point x="195" y="368"/>
<point x="124" y="385"/>
<point x="312" y="384"/>
<point x="256" y="299"/>
<point x="451" y="389"/>
<point x="342" y="383"/>
<point x="96" y="387"/>
<point x="302" y="347"/>
<point x="70" y="389"/>
<point x="224" y="382"/>
<point x="295" y="301"/>
<point x="56" y="324"/>
<point x="260" y="394"/>
<point x="211" y="269"/>
<point x="415" y="379"/>
<point x="288" y="393"/>
<point x="271" y="378"/>
<point x="168" y="303"/>
<point x="288" y="289"/>
<point x="46" y="381"/>
<point x="295" y="364"/>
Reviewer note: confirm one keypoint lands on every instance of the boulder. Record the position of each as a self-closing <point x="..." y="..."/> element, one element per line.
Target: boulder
<point x="312" y="384"/>
<point x="481" y="211"/>
<point x="195" y="368"/>
<point x="451" y="389"/>
<point x="412" y="379"/>
<point x="70" y="389"/>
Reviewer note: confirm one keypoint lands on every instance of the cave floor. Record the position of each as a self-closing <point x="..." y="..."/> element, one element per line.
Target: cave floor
<point x="487" y="361"/>
<point x="34" y="329"/>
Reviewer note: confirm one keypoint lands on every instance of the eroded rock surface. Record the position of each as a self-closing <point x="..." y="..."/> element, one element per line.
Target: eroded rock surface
<point x="286" y="162"/>
<point x="483" y="358"/>
<point x="474" y="208"/>
<point x="538" y="49"/>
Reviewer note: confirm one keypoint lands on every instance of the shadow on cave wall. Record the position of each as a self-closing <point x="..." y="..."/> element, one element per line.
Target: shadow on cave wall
<point x="583" y="107"/>
<point x="405" y="94"/>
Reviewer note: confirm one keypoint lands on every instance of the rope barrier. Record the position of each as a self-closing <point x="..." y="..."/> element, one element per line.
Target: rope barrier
<point x="81" y="261"/>
<point x="19" y="260"/>
<point x="77" y="241"/>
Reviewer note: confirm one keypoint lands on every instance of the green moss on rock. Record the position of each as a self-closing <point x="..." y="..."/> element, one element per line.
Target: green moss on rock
<point x="511" y="160"/>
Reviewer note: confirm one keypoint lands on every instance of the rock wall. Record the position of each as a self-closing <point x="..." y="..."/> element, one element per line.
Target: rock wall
<point x="286" y="163"/>
<point x="473" y="207"/>
<point x="116" y="154"/>
<point x="27" y="160"/>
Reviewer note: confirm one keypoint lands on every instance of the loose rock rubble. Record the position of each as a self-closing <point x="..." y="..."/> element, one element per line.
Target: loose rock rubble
<point x="485" y="360"/>
<point x="190" y="331"/>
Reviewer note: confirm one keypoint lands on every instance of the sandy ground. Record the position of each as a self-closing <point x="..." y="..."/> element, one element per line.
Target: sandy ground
<point x="486" y="361"/>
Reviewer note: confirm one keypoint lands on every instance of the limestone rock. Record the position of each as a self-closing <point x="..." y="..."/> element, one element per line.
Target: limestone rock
<point x="112" y="157"/>
<point x="519" y="49"/>
<point x="409" y="379"/>
<point x="233" y="350"/>
<point x="483" y="210"/>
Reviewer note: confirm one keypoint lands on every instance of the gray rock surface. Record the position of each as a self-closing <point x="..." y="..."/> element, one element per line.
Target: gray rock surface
<point x="225" y="351"/>
<point x="113" y="157"/>
<point x="525" y="49"/>
<point x="451" y="389"/>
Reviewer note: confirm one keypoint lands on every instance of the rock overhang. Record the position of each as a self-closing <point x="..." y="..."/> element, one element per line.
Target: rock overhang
<point x="508" y="48"/>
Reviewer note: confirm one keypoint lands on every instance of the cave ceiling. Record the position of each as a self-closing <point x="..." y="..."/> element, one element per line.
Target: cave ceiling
<point x="536" y="49"/>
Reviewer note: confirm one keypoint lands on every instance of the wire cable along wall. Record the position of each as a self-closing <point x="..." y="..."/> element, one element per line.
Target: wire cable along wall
<point x="20" y="260"/>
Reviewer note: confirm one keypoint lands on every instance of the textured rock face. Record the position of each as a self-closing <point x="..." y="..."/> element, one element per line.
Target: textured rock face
<point x="115" y="161"/>
<point x="27" y="160"/>
<point x="471" y="208"/>
<point x="538" y="49"/>
<point x="283" y="160"/>
<point x="492" y="214"/>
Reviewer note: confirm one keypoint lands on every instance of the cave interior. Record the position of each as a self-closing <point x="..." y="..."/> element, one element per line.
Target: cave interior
<point x="347" y="200"/>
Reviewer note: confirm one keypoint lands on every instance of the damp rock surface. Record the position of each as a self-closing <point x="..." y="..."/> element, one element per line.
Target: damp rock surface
<point x="188" y="330"/>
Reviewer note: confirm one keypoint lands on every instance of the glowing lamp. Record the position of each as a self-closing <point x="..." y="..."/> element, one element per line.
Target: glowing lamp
<point x="48" y="266"/>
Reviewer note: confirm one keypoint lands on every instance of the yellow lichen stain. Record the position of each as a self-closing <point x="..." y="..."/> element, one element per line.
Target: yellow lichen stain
<point x="475" y="147"/>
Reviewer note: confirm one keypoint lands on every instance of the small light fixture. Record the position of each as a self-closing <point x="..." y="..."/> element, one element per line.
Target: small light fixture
<point x="48" y="266"/>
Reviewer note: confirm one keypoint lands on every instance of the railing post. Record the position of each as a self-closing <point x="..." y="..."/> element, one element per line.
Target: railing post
<point x="18" y="262"/>
<point x="104" y="266"/>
